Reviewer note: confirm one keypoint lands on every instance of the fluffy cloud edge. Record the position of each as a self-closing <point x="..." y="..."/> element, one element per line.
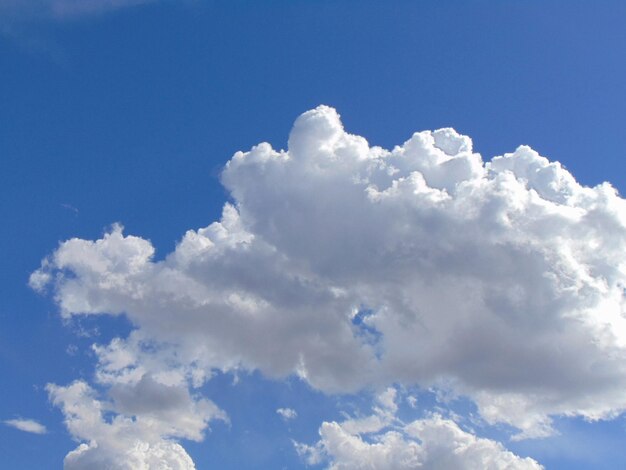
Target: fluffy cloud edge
<point x="383" y="441"/>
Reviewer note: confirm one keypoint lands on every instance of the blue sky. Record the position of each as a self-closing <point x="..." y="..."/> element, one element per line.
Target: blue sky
<point x="129" y="113"/>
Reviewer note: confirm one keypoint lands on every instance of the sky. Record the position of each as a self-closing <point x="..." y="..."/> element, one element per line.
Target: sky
<point x="312" y="234"/>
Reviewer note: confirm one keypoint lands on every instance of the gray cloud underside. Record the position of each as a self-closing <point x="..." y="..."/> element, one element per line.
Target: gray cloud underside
<point x="26" y="425"/>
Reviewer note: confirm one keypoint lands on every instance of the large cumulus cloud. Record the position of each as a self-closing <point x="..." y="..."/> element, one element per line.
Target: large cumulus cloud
<point x="354" y="266"/>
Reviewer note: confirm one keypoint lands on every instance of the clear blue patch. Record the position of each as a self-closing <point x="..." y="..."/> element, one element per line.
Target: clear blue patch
<point x="366" y="332"/>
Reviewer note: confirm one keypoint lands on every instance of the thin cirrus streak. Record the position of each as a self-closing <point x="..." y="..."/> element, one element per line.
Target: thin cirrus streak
<point x="62" y="9"/>
<point x="26" y="425"/>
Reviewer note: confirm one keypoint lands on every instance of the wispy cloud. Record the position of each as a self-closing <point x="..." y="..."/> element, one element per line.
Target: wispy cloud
<point x="27" y="425"/>
<point x="66" y="9"/>
<point x="287" y="413"/>
<point x="70" y="207"/>
<point x="21" y="21"/>
<point x="61" y="9"/>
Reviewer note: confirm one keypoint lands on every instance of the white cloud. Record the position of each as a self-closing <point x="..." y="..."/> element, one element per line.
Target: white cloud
<point x="412" y="401"/>
<point x="287" y="413"/>
<point x="146" y="404"/>
<point x="26" y="425"/>
<point x="430" y="443"/>
<point x="355" y="266"/>
<point x="137" y="429"/>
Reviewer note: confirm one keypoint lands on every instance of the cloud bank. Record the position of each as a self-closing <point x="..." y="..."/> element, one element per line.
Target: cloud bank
<point x="353" y="266"/>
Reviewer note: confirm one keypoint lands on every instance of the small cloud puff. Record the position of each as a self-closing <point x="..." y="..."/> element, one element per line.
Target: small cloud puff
<point x="26" y="425"/>
<point x="287" y="413"/>
<point x="430" y="443"/>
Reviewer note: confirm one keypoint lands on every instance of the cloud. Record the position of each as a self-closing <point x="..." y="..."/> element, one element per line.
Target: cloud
<point x="21" y="21"/>
<point x="287" y="413"/>
<point x="412" y="401"/>
<point x="144" y="405"/>
<point x="353" y="266"/>
<point x="430" y="443"/>
<point x="26" y="425"/>
<point x="133" y="431"/>
<point x="61" y="9"/>
<point x="76" y="8"/>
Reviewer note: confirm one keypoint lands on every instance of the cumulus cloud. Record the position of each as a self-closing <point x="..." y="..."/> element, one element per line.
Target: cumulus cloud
<point x="430" y="443"/>
<point x="134" y="431"/>
<point x="145" y="403"/>
<point x="354" y="266"/>
<point x="26" y="425"/>
<point x="287" y="413"/>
